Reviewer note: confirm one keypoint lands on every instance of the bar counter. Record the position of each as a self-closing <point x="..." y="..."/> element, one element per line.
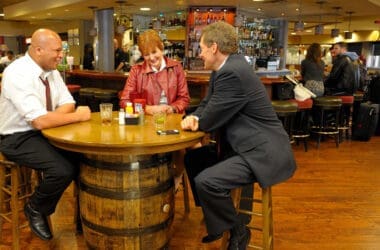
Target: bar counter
<point x="115" y="80"/>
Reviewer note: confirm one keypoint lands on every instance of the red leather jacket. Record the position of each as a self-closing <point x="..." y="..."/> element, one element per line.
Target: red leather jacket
<point x="149" y="85"/>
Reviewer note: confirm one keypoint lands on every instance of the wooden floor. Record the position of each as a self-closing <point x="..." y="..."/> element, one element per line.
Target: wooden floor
<point x="332" y="202"/>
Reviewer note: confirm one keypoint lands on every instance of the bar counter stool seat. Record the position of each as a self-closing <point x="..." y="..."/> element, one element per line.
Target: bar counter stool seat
<point x="106" y="96"/>
<point x="345" y="116"/>
<point x="301" y="130"/>
<point x="323" y="106"/>
<point x="286" y="110"/>
<point x="74" y="90"/>
<point x="87" y="98"/>
<point x="358" y="99"/>
<point x="262" y="217"/>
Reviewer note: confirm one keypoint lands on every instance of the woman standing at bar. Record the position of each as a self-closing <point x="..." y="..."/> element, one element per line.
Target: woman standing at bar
<point x="155" y="76"/>
<point x="312" y="69"/>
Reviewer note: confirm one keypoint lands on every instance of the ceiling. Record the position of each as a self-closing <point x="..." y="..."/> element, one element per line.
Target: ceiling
<point x="312" y="12"/>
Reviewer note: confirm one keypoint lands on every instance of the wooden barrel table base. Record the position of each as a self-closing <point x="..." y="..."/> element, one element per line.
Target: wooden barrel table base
<point x="127" y="201"/>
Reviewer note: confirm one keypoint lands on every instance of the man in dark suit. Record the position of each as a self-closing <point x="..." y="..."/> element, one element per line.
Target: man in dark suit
<point x="341" y="80"/>
<point x="255" y="145"/>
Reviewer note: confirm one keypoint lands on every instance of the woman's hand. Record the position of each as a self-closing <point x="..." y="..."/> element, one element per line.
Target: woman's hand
<point x="151" y="109"/>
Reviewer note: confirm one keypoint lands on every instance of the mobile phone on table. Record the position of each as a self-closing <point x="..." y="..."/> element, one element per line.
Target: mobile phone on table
<point x="168" y="132"/>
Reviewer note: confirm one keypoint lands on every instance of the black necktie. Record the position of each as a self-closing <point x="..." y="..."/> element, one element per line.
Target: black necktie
<point x="47" y="94"/>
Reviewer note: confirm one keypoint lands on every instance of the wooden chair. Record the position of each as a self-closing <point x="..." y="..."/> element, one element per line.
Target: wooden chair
<point x="16" y="188"/>
<point x="262" y="218"/>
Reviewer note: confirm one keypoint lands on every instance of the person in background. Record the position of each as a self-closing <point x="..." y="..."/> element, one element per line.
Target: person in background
<point x="312" y="69"/>
<point x="121" y="58"/>
<point x="255" y="145"/>
<point x="341" y="80"/>
<point x="25" y="111"/>
<point x="8" y="58"/>
<point x="88" y="59"/>
<point x="125" y="65"/>
<point x="135" y="55"/>
<point x="155" y="74"/>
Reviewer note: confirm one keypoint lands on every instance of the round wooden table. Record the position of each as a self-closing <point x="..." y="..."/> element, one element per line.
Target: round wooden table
<point x="126" y="186"/>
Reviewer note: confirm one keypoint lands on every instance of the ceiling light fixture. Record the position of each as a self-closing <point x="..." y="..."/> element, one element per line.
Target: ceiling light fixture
<point x="320" y="28"/>
<point x="93" y="31"/>
<point x="335" y="31"/>
<point x="348" y="34"/>
<point x="299" y="25"/>
<point x="122" y="20"/>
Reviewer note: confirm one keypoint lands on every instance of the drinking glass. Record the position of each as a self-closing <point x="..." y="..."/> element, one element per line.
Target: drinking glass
<point x="106" y="113"/>
<point x="159" y="119"/>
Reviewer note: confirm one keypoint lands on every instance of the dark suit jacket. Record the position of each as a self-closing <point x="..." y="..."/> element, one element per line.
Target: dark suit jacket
<point x="238" y="102"/>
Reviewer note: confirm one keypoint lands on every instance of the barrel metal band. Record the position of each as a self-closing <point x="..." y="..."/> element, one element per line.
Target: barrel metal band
<point x="129" y="166"/>
<point x="128" y="231"/>
<point x="131" y="193"/>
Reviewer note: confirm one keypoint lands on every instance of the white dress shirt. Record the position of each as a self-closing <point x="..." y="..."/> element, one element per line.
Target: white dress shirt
<point x="23" y="94"/>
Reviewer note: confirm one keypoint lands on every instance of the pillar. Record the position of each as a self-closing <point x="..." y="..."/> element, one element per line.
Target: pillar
<point x="104" y="51"/>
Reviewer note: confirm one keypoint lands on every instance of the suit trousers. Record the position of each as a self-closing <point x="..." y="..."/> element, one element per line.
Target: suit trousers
<point x="212" y="181"/>
<point x="58" y="167"/>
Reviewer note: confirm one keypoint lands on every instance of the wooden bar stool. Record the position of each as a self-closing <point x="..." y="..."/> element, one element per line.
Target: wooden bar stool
<point x="262" y="214"/>
<point x="16" y="188"/>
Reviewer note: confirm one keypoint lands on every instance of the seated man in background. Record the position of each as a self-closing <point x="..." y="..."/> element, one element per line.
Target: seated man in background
<point x="8" y="58"/>
<point x="34" y="97"/>
<point x="254" y="144"/>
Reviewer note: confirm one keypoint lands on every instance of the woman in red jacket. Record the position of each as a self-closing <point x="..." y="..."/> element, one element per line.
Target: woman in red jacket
<point x="155" y="74"/>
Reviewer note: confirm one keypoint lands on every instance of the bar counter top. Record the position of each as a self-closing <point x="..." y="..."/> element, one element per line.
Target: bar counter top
<point x="116" y="80"/>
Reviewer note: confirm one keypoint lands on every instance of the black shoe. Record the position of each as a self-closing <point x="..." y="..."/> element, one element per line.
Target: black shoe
<point x="37" y="222"/>
<point x="240" y="242"/>
<point x="211" y="237"/>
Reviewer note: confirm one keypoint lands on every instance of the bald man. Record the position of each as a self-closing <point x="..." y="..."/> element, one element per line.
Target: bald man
<point x="25" y="111"/>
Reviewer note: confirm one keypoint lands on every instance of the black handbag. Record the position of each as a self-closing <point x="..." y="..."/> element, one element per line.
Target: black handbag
<point x="284" y="91"/>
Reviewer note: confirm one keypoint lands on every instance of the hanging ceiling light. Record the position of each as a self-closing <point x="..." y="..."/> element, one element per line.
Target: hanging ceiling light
<point x="93" y="31"/>
<point x="319" y="28"/>
<point x="157" y="20"/>
<point x="348" y="34"/>
<point x="335" y="31"/>
<point x="122" y="20"/>
<point x="299" y="25"/>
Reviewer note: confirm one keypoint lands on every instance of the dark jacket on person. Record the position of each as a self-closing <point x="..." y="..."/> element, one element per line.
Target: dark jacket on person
<point x="341" y="80"/>
<point x="238" y="102"/>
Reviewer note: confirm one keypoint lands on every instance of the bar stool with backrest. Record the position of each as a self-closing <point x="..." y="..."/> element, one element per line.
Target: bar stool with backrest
<point x="301" y="128"/>
<point x="324" y="106"/>
<point x="286" y="110"/>
<point x="262" y="217"/>
<point x="16" y="187"/>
